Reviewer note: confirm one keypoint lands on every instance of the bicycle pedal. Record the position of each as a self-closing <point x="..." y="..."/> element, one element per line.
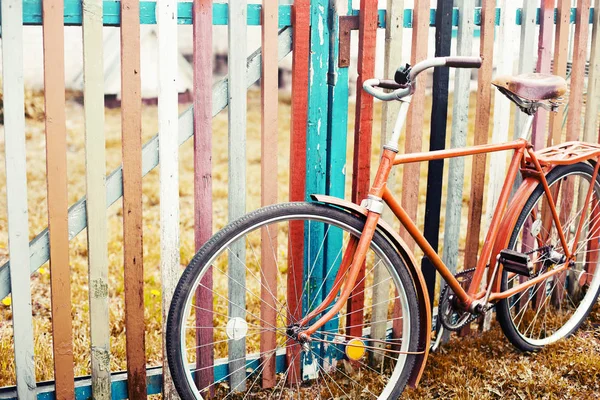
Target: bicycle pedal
<point x="518" y="263"/>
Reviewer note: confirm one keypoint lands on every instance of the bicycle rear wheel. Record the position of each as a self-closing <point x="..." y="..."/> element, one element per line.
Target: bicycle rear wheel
<point x="223" y="357"/>
<point x="556" y="307"/>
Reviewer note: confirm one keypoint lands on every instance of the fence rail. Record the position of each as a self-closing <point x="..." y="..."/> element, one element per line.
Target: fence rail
<point x="319" y="134"/>
<point x="32" y="14"/>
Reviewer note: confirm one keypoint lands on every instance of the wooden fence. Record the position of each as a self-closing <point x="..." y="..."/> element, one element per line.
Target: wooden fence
<point x="319" y="121"/>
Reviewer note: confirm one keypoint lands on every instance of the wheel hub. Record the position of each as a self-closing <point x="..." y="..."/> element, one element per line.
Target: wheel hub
<point x="294" y="332"/>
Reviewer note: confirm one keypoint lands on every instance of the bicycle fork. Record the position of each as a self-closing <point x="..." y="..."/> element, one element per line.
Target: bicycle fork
<point x="355" y="253"/>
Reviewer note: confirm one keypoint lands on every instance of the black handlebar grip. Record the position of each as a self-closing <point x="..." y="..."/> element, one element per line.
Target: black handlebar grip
<point x="463" y="62"/>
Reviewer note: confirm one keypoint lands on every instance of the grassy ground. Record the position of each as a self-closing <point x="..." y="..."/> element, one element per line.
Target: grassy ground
<point x="483" y="366"/>
<point x="486" y="366"/>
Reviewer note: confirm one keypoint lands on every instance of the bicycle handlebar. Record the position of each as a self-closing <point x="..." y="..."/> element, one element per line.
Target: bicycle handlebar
<point x="390" y="84"/>
<point x="370" y="86"/>
<point x="463" y="62"/>
<point x="401" y="91"/>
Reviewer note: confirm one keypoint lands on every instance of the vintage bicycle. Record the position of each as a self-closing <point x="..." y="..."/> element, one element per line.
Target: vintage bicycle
<point x="323" y="299"/>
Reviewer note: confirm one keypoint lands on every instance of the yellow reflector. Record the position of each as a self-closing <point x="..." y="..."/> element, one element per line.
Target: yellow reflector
<point x="355" y="349"/>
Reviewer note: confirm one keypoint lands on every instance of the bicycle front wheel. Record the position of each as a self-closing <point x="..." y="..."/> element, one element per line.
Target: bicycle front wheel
<point x="555" y="307"/>
<point x="231" y="327"/>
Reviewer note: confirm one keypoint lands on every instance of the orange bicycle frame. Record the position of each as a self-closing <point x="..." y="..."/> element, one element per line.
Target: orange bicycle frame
<point x="523" y="158"/>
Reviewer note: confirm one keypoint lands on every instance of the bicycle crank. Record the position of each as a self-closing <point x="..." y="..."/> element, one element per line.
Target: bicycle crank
<point x="451" y="315"/>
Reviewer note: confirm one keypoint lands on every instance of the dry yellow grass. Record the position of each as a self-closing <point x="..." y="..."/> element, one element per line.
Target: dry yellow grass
<point x="456" y="372"/>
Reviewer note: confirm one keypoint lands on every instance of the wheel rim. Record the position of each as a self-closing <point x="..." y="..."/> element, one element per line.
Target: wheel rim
<point x="327" y="382"/>
<point x="551" y="310"/>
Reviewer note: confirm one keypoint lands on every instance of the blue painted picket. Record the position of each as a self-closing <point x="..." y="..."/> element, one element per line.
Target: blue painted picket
<point x="316" y="162"/>
<point x="337" y="127"/>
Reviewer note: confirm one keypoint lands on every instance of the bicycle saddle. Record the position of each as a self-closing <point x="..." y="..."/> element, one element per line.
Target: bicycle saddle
<point x="533" y="87"/>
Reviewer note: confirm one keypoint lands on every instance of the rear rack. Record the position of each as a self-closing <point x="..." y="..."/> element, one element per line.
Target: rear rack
<point x="568" y="153"/>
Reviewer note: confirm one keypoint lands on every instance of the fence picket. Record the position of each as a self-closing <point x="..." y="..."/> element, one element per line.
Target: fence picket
<point x="574" y="117"/>
<point x="298" y="173"/>
<point x="502" y="106"/>
<point x="559" y="67"/>
<point x="482" y="120"/>
<point x="394" y="23"/>
<point x="363" y="127"/>
<point x="578" y="70"/>
<point x="526" y="53"/>
<point x="337" y="132"/>
<point x="202" y="60"/>
<point x="237" y="179"/>
<point x="414" y="123"/>
<point x="16" y="195"/>
<point x="460" y="126"/>
<point x="56" y="166"/>
<point x="269" y="266"/>
<point x="131" y="126"/>
<point x="590" y="129"/>
<point x="168" y="148"/>
<point x="316" y="152"/>
<point x="97" y="232"/>
<point x="591" y="132"/>
<point x="543" y="66"/>
<point x="439" y="114"/>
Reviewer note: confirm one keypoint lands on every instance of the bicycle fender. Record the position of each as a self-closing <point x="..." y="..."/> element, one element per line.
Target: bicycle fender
<point x="508" y="223"/>
<point x="414" y="270"/>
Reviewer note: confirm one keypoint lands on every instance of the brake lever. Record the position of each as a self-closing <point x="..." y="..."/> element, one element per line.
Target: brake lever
<point x="402" y="74"/>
